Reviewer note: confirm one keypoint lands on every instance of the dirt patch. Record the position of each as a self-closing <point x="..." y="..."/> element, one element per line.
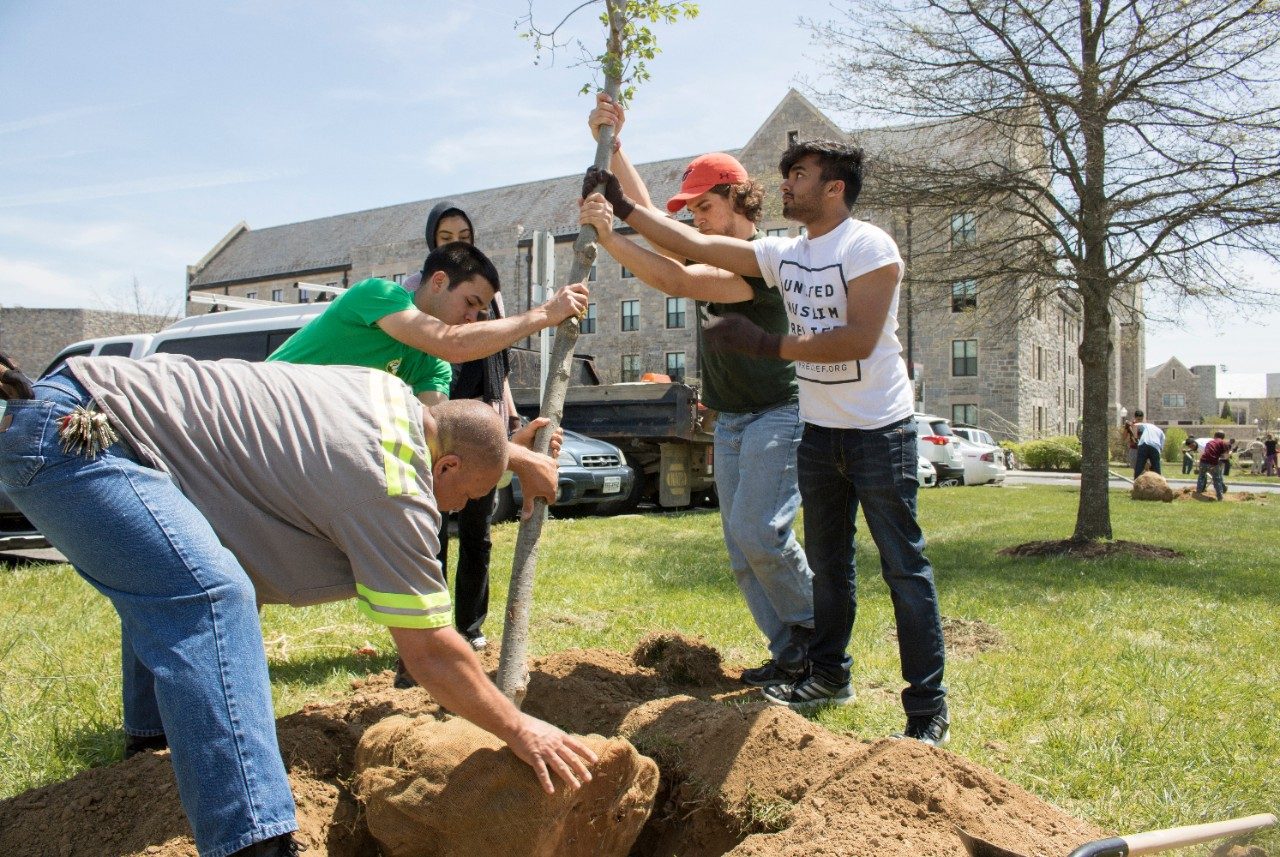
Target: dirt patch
<point x="737" y="776"/>
<point x="678" y="659"/>
<point x="1189" y="494"/>
<point x="1086" y="549"/>
<point x="964" y="637"/>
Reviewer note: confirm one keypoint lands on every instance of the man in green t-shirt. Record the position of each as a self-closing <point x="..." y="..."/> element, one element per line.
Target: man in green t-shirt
<point x="415" y="336"/>
<point x="758" y="425"/>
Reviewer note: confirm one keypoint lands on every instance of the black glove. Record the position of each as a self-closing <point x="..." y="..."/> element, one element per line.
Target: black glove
<point x="622" y="206"/>
<point x="732" y="332"/>
<point x="13" y="384"/>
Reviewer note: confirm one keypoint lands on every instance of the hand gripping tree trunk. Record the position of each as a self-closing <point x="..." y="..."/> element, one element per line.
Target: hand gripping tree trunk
<point x="513" y="671"/>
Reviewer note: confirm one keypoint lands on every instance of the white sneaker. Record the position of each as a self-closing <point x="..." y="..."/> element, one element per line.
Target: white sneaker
<point x="478" y="642"/>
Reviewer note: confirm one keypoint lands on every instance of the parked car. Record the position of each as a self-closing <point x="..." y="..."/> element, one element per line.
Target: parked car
<point x="16" y="532"/>
<point x="941" y="448"/>
<point x="925" y="472"/>
<point x="983" y="463"/>
<point x="973" y="434"/>
<point x="592" y="473"/>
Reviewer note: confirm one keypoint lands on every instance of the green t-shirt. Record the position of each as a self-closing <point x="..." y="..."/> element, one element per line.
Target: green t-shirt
<point x="347" y="334"/>
<point x="736" y="383"/>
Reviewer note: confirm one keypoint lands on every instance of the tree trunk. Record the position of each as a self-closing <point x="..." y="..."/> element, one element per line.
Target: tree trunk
<point x="513" y="671"/>
<point x="1093" y="517"/>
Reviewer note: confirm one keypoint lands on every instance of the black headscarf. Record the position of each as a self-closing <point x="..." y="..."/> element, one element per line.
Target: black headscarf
<point x="482" y="378"/>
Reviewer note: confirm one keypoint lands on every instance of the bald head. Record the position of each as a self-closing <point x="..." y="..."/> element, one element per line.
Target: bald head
<point x="470" y="451"/>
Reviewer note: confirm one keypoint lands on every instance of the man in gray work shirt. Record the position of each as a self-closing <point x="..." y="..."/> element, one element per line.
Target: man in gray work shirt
<point x="187" y="492"/>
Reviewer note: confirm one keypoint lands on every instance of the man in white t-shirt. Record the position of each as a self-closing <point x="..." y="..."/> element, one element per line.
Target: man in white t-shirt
<point x="839" y="283"/>
<point x="1150" y="444"/>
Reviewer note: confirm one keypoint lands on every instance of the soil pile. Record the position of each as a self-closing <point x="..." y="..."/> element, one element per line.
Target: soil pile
<point x="1090" y="549"/>
<point x="737" y="776"/>
<point x="1151" y="486"/>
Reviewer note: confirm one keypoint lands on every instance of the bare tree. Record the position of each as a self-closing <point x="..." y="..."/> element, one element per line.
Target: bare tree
<point x="154" y="310"/>
<point x="628" y="45"/>
<point x="1128" y="146"/>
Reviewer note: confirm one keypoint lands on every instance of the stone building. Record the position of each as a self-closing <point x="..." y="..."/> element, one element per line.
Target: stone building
<point x="32" y="337"/>
<point x="1177" y="395"/>
<point x="1017" y="375"/>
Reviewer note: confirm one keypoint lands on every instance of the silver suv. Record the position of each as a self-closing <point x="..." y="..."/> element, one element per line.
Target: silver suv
<point x="939" y="445"/>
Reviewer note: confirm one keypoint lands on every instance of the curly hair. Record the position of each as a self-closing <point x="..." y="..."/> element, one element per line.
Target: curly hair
<point x="747" y="198"/>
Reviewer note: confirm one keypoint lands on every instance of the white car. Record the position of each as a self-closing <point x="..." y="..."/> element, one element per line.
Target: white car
<point x="925" y="474"/>
<point x="983" y="463"/>
<point x="941" y="448"/>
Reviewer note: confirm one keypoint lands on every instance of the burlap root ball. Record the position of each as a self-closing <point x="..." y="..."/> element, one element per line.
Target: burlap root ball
<point x="1151" y="486"/>
<point x="450" y="789"/>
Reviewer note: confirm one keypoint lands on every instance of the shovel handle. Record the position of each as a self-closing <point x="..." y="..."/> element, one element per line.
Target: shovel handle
<point x="1174" y="837"/>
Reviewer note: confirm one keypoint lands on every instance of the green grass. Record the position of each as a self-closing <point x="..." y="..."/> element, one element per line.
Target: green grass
<point x="1138" y="694"/>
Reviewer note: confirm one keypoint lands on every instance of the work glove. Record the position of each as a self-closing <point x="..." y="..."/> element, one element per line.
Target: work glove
<point x="732" y="332"/>
<point x="622" y="205"/>
<point x="13" y="384"/>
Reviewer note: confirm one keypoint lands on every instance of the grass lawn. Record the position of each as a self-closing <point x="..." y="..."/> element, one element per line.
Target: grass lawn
<point x="1138" y="694"/>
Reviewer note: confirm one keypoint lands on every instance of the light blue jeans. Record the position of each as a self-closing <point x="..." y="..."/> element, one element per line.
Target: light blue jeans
<point x="755" y="467"/>
<point x="193" y="661"/>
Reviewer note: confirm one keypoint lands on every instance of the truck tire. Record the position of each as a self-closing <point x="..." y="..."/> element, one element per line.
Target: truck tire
<point x="504" y="506"/>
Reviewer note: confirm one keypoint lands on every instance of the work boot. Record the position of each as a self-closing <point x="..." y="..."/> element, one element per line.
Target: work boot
<point x="403" y="679"/>
<point x="770" y="673"/>
<point x="277" y="846"/>
<point x="931" y="729"/>
<point x="135" y="744"/>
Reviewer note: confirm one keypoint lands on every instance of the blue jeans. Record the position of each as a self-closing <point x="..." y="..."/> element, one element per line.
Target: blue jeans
<point x="1202" y="478"/>
<point x="840" y="469"/>
<point x="1146" y="452"/>
<point x="193" y="662"/>
<point x="755" y="466"/>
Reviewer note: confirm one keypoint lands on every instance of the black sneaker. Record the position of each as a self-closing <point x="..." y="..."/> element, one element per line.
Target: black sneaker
<point x="931" y="729"/>
<point x="770" y="673"/>
<point x="277" y="846"/>
<point x="135" y="744"/>
<point x="809" y="692"/>
<point x="403" y="679"/>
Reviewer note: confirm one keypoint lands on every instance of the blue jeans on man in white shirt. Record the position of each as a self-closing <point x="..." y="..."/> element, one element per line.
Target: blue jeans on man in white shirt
<point x="194" y="665"/>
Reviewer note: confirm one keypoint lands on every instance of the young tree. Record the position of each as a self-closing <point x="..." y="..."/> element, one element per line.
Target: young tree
<point x="629" y="44"/>
<point x="1124" y="145"/>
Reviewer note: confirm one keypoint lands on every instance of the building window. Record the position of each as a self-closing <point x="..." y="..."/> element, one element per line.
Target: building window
<point x="251" y="295"/>
<point x="675" y="313"/>
<point x="964" y="229"/>
<point x="1040" y="421"/>
<point x="588" y="323"/>
<point x="591" y="277"/>
<point x="398" y="278"/>
<point x="675" y="365"/>
<point x="626" y="273"/>
<point x="630" y="367"/>
<point x="1038" y="368"/>
<point x="1174" y="400"/>
<point x="967" y="414"/>
<point x="791" y="137"/>
<point x="964" y="357"/>
<point x="964" y="296"/>
<point x="304" y="297"/>
<point x="780" y="232"/>
<point x="631" y="315"/>
<point x="277" y="295"/>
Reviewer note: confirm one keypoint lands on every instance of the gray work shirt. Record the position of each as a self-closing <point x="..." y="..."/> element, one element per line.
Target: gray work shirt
<point x="317" y="478"/>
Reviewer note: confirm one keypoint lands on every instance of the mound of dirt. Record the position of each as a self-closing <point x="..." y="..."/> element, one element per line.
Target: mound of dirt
<point x="1087" y="549"/>
<point x="736" y="777"/>
<point x="433" y="789"/>
<point x="677" y="659"/>
<point x="1190" y="494"/>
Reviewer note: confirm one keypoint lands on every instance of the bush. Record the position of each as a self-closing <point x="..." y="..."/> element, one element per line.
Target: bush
<point x="1174" y="438"/>
<point x="1051" y="453"/>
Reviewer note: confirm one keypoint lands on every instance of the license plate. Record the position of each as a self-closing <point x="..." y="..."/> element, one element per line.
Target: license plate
<point x="612" y="485"/>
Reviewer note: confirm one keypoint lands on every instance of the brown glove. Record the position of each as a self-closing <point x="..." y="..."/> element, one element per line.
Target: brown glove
<point x="13" y="384"/>
<point x="612" y="190"/>
<point x="732" y="332"/>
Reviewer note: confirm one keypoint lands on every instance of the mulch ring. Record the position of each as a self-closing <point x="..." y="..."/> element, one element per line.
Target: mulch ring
<point x="1090" y="549"/>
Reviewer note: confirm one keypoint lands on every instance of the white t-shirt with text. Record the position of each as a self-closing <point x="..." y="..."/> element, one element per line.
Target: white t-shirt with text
<point x="813" y="276"/>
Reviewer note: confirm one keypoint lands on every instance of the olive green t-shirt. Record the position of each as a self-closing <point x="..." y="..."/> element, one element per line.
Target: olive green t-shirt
<point x="347" y="334"/>
<point x="737" y="383"/>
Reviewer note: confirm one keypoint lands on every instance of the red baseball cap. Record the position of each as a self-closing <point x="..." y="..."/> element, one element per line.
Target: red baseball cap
<point x="704" y="173"/>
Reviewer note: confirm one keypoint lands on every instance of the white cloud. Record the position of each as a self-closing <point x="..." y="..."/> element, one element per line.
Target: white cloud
<point x="31" y="284"/>
<point x="159" y="184"/>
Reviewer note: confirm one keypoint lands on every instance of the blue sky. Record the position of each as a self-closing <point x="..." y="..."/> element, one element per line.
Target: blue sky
<point x="134" y="135"/>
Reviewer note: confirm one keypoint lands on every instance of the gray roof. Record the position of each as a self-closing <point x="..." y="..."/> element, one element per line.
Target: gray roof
<point x="326" y="243"/>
